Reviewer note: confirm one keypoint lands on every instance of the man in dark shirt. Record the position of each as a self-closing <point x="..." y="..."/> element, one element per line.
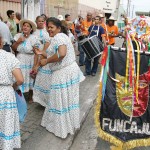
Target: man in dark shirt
<point x="99" y="31"/>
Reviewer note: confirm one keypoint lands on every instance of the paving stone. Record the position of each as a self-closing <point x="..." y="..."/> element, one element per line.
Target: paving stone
<point x="25" y="136"/>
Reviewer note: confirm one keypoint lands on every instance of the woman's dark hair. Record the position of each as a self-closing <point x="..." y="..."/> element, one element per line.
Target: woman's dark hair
<point x="39" y="17"/>
<point x="18" y="15"/>
<point x="9" y="12"/>
<point x="45" y="17"/>
<point x="58" y="24"/>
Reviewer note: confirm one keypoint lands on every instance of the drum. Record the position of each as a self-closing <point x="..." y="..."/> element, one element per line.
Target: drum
<point x="92" y="47"/>
<point x="80" y="36"/>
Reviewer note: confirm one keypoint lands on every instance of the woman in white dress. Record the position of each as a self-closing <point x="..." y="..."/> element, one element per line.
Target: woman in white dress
<point x="24" y="44"/>
<point x="9" y="119"/>
<point x="61" y="115"/>
<point x="41" y="88"/>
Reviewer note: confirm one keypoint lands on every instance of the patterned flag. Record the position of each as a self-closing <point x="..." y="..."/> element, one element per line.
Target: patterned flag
<point x="121" y="118"/>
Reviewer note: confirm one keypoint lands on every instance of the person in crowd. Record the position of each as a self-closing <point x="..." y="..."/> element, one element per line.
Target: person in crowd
<point x="24" y="45"/>
<point x="103" y="24"/>
<point x="78" y="26"/>
<point x="71" y="36"/>
<point x="93" y="20"/>
<point x="72" y="28"/>
<point x="11" y="22"/>
<point x="78" y="32"/>
<point x="112" y="30"/>
<point x="67" y="17"/>
<point x="61" y="115"/>
<point x="95" y="29"/>
<point x="41" y="88"/>
<point x="6" y="35"/>
<point x="18" y="18"/>
<point x="85" y="26"/>
<point x="77" y="19"/>
<point x="43" y="36"/>
<point x="45" y="18"/>
<point x="9" y="118"/>
<point x="60" y="17"/>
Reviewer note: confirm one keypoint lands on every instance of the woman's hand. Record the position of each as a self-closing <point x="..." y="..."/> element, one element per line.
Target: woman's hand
<point x="37" y="51"/>
<point x="15" y="86"/>
<point x="21" y="39"/>
<point x="43" y="62"/>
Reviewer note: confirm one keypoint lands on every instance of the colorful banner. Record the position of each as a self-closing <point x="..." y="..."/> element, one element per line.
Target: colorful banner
<point x="121" y="118"/>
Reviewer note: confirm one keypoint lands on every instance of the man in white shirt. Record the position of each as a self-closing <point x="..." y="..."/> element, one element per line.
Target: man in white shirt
<point x="6" y="36"/>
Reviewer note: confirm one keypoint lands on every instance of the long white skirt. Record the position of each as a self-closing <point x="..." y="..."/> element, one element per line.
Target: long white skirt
<point x="27" y="61"/>
<point x="9" y="120"/>
<point x="62" y="114"/>
<point x="41" y="88"/>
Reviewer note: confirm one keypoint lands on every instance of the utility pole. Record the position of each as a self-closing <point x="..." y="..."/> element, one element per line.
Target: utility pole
<point x="128" y="7"/>
<point x="22" y="8"/>
<point x="118" y="6"/>
<point x="132" y="11"/>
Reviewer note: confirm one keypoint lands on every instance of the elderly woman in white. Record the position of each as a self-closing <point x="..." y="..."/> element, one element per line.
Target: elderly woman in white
<point x="24" y="45"/>
<point x="9" y="119"/>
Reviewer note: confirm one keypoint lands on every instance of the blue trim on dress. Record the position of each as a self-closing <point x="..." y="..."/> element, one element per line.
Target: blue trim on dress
<point x="8" y="105"/>
<point x="45" y="71"/>
<point x="6" y="137"/>
<point x="25" y="85"/>
<point x="65" y="85"/>
<point x="41" y="89"/>
<point x="64" y="110"/>
<point x="26" y="66"/>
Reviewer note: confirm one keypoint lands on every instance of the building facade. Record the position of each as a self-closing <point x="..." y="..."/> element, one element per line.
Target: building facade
<point x="32" y="8"/>
<point x="9" y="5"/>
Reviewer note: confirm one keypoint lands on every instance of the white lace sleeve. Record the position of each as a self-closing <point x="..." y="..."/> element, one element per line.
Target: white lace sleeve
<point x="17" y="36"/>
<point x="14" y="62"/>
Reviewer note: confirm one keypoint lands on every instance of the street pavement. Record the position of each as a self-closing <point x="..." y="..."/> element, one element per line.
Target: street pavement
<point x="87" y="137"/>
<point x="35" y="137"/>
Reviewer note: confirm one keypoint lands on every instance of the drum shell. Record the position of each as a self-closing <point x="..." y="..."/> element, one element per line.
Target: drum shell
<point x="92" y="47"/>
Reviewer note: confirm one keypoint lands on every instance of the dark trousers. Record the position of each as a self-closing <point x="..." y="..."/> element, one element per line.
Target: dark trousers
<point x="91" y="69"/>
<point x="81" y="55"/>
<point x="7" y="48"/>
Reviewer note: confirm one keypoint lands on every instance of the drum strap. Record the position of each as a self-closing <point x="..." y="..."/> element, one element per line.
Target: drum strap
<point x="92" y="30"/>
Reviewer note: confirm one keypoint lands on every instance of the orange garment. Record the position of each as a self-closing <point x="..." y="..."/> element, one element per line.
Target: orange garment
<point x="112" y="29"/>
<point x="86" y="24"/>
<point x="105" y="28"/>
